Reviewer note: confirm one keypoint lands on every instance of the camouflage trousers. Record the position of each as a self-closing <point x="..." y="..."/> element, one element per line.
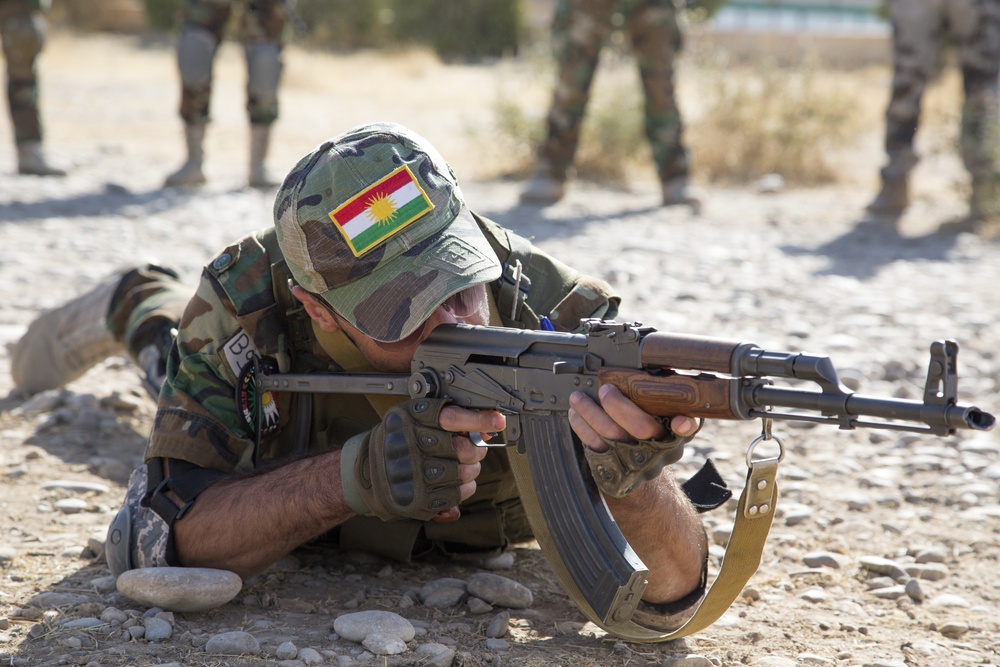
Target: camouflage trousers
<point x="580" y="29"/>
<point x="137" y="537"/>
<point x="146" y="309"/>
<point x="920" y="30"/>
<point x="260" y="22"/>
<point x="22" y="30"/>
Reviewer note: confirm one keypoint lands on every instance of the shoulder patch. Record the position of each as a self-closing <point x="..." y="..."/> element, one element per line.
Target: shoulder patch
<point x="224" y="260"/>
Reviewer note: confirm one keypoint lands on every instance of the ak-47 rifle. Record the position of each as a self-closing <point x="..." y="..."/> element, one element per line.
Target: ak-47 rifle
<point x="529" y="376"/>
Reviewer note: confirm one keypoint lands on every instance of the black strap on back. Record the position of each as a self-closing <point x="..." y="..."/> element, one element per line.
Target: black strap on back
<point x="300" y="329"/>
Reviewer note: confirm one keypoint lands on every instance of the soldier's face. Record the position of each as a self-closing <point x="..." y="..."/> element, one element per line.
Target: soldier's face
<point x="470" y="306"/>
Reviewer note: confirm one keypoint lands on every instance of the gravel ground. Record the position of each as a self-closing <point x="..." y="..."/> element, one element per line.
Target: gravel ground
<point x="793" y="270"/>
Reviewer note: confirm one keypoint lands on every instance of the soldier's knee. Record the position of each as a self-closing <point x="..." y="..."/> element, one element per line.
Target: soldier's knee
<point x="195" y="53"/>
<point x="137" y="537"/>
<point x="264" y="72"/>
<point x="23" y="38"/>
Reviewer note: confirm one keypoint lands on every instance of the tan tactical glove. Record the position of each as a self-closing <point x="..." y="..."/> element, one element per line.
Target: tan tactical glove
<point x="626" y="465"/>
<point x="404" y="468"/>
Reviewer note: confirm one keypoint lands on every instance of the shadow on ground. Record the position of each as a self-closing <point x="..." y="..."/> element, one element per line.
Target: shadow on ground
<point x="873" y="243"/>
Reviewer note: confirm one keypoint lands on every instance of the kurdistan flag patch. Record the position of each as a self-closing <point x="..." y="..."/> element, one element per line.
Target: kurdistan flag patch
<point x="377" y="213"/>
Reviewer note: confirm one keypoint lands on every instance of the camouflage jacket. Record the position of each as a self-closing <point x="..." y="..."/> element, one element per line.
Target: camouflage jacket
<point x="242" y="307"/>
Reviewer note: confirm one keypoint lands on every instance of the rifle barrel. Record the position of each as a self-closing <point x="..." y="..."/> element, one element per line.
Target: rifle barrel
<point x="940" y="418"/>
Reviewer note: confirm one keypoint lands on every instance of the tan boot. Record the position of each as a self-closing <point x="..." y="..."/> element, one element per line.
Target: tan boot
<point x="892" y="199"/>
<point x="31" y="160"/>
<point x="678" y="192"/>
<point x="190" y="174"/>
<point x="65" y="342"/>
<point x="260" y="139"/>
<point x="543" y="188"/>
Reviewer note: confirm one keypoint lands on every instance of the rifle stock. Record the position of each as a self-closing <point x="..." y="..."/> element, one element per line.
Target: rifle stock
<point x="529" y="375"/>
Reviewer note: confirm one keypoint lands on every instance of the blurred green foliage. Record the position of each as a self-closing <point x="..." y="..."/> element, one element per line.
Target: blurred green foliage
<point x="465" y="30"/>
<point x="699" y="11"/>
<point x="162" y="14"/>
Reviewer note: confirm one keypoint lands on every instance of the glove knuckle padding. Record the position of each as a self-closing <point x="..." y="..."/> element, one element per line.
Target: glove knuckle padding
<point x="626" y="465"/>
<point x="411" y="463"/>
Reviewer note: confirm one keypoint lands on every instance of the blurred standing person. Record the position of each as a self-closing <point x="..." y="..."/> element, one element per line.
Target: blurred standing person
<point x="22" y="30"/>
<point x="579" y="30"/>
<point x="919" y="30"/>
<point x="261" y="31"/>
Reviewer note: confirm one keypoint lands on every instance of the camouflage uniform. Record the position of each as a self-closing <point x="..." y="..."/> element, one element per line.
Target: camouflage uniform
<point x="920" y="28"/>
<point x="209" y="416"/>
<point x="579" y="30"/>
<point x="261" y="21"/>
<point x="22" y="29"/>
<point x="386" y="278"/>
<point x="261" y="30"/>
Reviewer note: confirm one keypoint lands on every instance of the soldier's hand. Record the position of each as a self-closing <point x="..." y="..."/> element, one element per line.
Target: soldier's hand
<point x="624" y="445"/>
<point x="419" y="463"/>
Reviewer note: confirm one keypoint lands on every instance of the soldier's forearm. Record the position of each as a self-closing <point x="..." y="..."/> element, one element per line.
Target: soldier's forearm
<point x="666" y="533"/>
<point x="246" y="524"/>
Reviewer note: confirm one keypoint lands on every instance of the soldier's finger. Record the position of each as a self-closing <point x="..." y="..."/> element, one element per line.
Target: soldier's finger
<point x="448" y="515"/>
<point x="627" y="415"/>
<point x="467" y="489"/>
<point x="458" y="420"/>
<point x="469" y="472"/>
<point x="683" y="425"/>
<point x="596" y="417"/>
<point x="466" y="452"/>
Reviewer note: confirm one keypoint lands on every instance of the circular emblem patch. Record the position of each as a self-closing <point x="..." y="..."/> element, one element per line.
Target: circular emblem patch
<point x="247" y="400"/>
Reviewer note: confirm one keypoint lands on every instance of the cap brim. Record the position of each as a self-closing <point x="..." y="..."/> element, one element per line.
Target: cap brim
<point x="401" y="294"/>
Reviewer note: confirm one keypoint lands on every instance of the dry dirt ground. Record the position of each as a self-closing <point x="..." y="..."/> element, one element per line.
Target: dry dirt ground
<point x="792" y="270"/>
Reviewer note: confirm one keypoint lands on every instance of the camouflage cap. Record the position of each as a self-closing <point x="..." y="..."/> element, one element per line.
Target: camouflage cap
<point x="374" y="222"/>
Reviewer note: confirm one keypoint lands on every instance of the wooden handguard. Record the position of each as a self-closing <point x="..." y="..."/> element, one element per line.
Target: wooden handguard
<point x="698" y="353"/>
<point x="671" y="394"/>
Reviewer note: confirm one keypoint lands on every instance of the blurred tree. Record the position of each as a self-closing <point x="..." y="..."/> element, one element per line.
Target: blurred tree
<point x="162" y="14"/>
<point x="882" y="11"/>
<point x="345" y="24"/>
<point x="471" y="29"/>
<point x="702" y="10"/>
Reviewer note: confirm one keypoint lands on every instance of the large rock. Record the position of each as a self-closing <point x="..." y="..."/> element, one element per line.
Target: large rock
<point x="381" y="632"/>
<point x="180" y="588"/>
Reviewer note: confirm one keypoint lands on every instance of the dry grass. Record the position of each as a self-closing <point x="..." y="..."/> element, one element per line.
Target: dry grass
<point x="742" y="121"/>
<point x="767" y="119"/>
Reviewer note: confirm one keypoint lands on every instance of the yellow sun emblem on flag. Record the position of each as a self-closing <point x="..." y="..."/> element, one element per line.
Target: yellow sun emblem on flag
<point x="382" y="209"/>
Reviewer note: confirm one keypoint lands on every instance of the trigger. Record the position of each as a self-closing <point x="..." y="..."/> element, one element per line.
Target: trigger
<point x="477" y="440"/>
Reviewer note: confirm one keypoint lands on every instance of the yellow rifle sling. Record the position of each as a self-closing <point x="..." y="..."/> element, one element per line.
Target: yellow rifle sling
<point x="742" y="558"/>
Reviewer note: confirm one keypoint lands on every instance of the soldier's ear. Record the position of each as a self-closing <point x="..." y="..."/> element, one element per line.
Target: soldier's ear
<point x="317" y="311"/>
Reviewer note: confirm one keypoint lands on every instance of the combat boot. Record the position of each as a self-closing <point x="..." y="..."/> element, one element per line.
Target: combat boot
<point x="892" y="199"/>
<point x="543" y="188"/>
<point x="260" y="139"/>
<point x="678" y="192"/>
<point x="190" y="174"/>
<point x="65" y="342"/>
<point x="31" y="160"/>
